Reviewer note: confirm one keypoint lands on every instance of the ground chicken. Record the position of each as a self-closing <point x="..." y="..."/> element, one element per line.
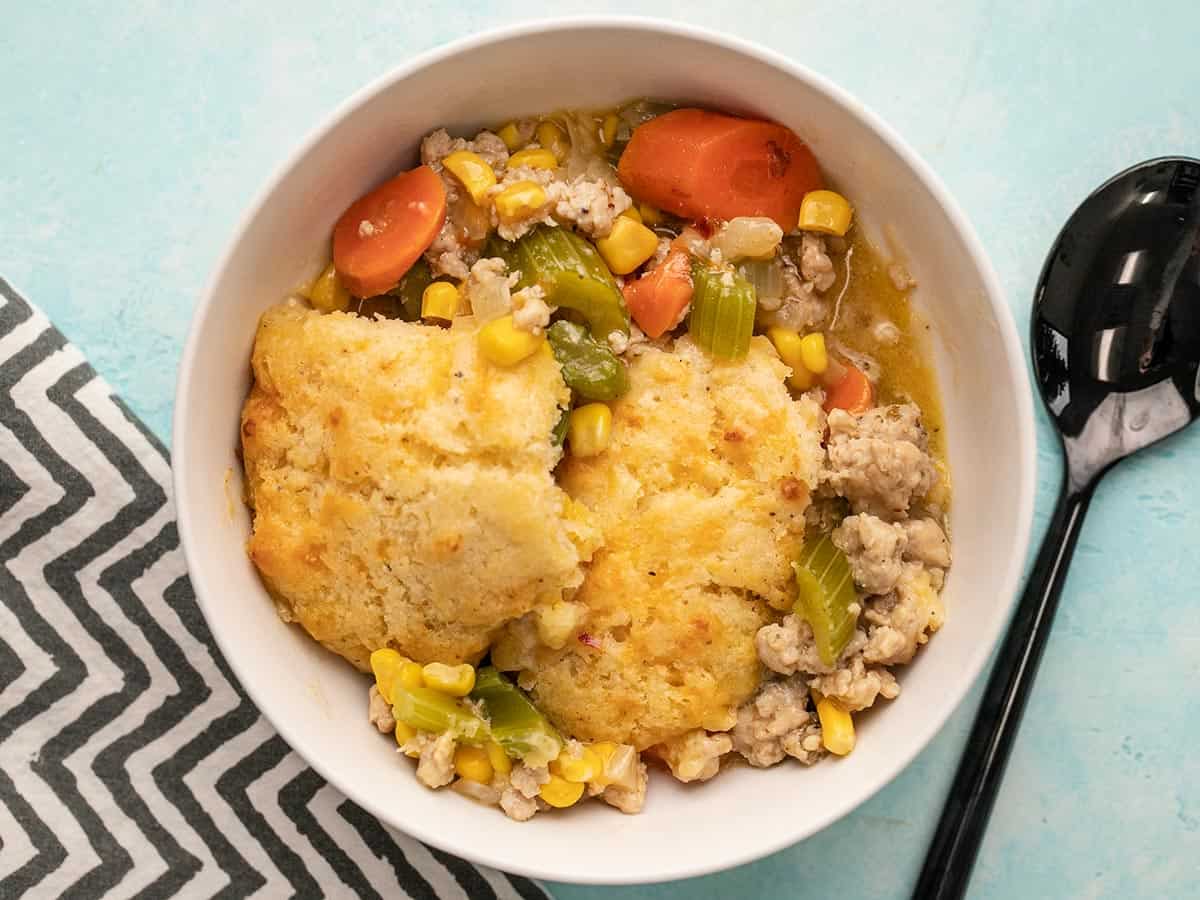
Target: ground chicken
<point x="927" y="543"/>
<point x="815" y="264"/>
<point x="694" y="755"/>
<point x="590" y="204"/>
<point x="402" y="487"/>
<point x="879" y="460"/>
<point x="517" y="806"/>
<point x="701" y="495"/>
<point x="874" y="549"/>
<point x="856" y="686"/>
<point x="628" y="800"/>
<point x="379" y="711"/>
<point x="530" y="310"/>
<point x="789" y="647"/>
<point x="777" y="723"/>
<point x="438" y="145"/>
<point x="799" y="309"/>
<point x="528" y="780"/>
<point x="435" y="765"/>
<point x="899" y="622"/>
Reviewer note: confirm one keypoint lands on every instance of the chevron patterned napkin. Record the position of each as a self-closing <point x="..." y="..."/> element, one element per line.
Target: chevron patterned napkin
<point x="131" y="762"/>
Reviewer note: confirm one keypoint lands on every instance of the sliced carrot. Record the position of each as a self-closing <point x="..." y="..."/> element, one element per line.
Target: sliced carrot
<point x="657" y="299"/>
<point x="852" y="392"/>
<point x="705" y="165"/>
<point x="384" y="232"/>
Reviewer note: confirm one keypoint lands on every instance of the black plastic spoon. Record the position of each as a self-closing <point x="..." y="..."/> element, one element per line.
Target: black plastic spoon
<point x="1116" y="348"/>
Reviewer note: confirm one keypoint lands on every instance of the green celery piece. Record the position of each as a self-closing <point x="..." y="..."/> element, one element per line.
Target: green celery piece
<point x="517" y="725"/>
<point x="496" y="246"/>
<point x="723" y="307"/>
<point x="826" y="596"/>
<point x="573" y="275"/>
<point x="559" y="433"/>
<point x="588" y="366"/>
<point x="428" y="710"/>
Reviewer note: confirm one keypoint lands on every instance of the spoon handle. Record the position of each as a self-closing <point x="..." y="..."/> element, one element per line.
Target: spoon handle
<point x="964" y="819"/>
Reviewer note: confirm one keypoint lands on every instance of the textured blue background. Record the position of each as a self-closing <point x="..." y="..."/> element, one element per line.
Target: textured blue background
<point x="132" y="136"/>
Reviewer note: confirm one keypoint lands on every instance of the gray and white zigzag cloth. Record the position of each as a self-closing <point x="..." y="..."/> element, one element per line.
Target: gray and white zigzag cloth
<point x="131" y="762"/>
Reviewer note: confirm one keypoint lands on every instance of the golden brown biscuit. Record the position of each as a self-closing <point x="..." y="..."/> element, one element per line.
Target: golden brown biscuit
<point x="701" y="498"/>
<point x="401" y="485"/>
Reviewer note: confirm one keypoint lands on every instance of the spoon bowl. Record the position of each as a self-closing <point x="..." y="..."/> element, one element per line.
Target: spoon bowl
<point x="1116" y="352"/>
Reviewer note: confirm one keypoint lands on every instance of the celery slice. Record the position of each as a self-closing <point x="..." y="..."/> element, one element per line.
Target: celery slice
<point x="723" y="307"/>
<point x="573" y="275"/>
<point x="517" y="725"/>
<point x="559" y="433"/>
<point x="428" y="710"/>
<point x="588" y="366"/>
<point x="827" y="600"/>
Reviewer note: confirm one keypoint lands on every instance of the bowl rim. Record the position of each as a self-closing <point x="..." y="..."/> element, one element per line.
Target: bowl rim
<point x="1017" y="382"/>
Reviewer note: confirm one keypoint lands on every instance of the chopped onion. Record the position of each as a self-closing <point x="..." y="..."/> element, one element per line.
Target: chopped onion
<point x="747" y="236"/>
<point x="767" y="278"/>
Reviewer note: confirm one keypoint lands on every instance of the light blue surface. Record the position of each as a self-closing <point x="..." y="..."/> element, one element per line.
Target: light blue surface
<point x="132" y="136"/>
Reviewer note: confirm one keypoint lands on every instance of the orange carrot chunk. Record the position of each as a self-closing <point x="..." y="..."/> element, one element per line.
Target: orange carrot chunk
<point x="852" y="392"/>
<point x="381" y="235"/>
<point x="705" y="165"/>
<point x="657" y="299"/>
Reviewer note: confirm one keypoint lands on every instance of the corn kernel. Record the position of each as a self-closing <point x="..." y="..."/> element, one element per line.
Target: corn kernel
<point x="719" y="719"/>
<point x="608" y="129"/>
<point x="650" y="215"/>
<point x="327" y="293"/>
<point x="473" y="171"/>
<point x="457" y="681"/>
<point x="628" y="245"/>
<point x="837" y="727"/>
<point x="560" y="793"/>
<point x="585" y="767"/>
<point x="511" y="135"/>
<point x="788" y="344"/>
<point x="589" y="429"/>
<point x="439" y="301"/>
<point x="503" y="344"/>
<point x="519" y="200"/>
<point x="813" y="354"/>
<point x="498" y="758"/>
<point x="825" y="211"/>
<point x="385" y="666"/>
<point x="410" y="675"/>
<point x="632" y="213"/>
<point x="472" y="763"/>
<point x="553" y="139"/>
<point x="534" y="158"/>
<point x="404" y="734"/>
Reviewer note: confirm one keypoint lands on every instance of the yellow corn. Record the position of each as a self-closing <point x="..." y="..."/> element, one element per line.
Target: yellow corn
<point x="560" y="793"/>
<point x="589" y="429"/>
<point x="472" y="763"/>
<point x="327" y="293"/>
<point x="608" y="129"/>
<point x="457" y="681"/>
<point x="837" y="727"/>
<point x="585" y="767"/>
<point x="825" y="211"/>
<point x="511" y="135"/>
<point x="498" y="758"/>
<point x="503" y="344"/>
<point x="789" y="345"/>
<point x="439" y="301"/>
<point x="534" y="158"/>
<point x="473" y="171"/>
<point x="519" y="200"/>
<point x="650" y="215"/>
<point x="553" y="139"/>
<point x="410" y="675"/>
<point x="813" y="353"/>
<point x="404" y="734"/>
<point x="720" y="719"/>
<point x="386" y="665"/>
<point x="632" y="213"/>
<point x="628" y="245"/>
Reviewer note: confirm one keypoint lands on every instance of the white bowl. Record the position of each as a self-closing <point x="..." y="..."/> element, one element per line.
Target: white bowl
<point x="318" y="703"/>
